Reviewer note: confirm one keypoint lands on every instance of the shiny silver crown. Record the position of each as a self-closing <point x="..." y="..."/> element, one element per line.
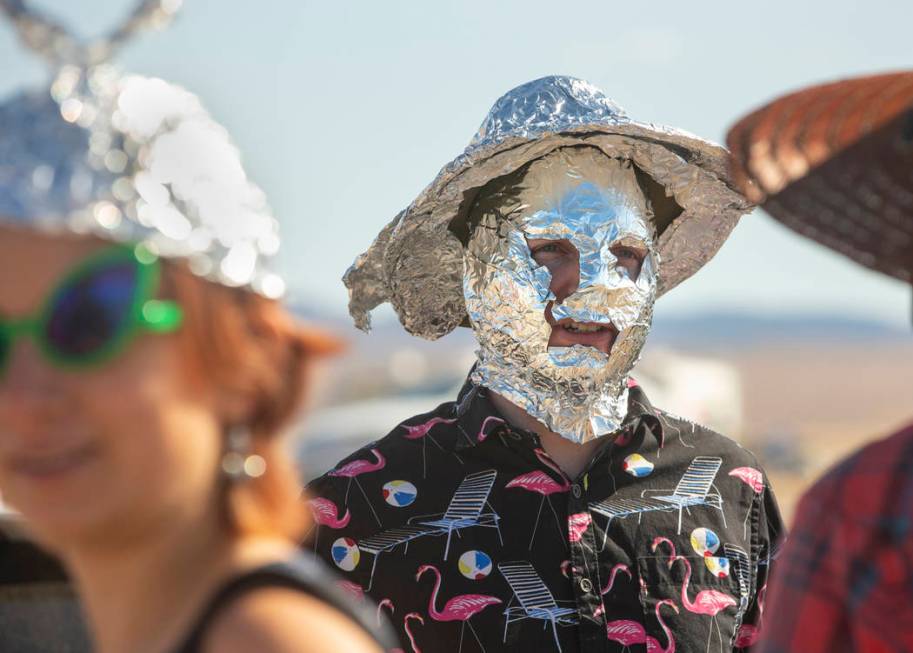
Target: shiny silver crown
<point x="129" y="158"/>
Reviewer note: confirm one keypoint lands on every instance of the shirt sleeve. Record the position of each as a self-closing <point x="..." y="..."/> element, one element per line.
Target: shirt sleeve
<point x="769" y="535"/>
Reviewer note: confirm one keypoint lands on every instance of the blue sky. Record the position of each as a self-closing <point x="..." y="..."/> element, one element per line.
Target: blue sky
<point x="346" y="110"/>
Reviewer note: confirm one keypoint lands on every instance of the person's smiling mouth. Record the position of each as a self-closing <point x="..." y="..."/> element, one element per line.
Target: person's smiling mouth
<point x="568" y="332"/>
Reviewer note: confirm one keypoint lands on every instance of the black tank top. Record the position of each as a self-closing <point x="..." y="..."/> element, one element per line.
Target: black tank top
<point x="304" y="573"/>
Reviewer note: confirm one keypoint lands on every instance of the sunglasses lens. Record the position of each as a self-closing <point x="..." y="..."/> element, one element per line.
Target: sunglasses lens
<point x="91" y="311"/>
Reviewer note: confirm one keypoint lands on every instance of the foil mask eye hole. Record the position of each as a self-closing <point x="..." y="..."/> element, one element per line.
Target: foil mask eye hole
<point x="561" y="259"/>
<point x="630" y="260"/>
<point x="549" y="251"/>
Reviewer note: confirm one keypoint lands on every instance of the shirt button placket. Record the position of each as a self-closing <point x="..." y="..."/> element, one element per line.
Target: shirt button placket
<point x="591" y="633"/>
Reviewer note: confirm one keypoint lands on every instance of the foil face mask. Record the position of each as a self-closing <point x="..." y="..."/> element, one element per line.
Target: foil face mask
<point x="593" y="204"/>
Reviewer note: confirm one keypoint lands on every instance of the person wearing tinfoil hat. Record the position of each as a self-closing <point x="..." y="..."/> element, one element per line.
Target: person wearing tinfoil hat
<point x="551" y="507"/>
<point x="833" y="162"/>
<point x="147" y="367"/>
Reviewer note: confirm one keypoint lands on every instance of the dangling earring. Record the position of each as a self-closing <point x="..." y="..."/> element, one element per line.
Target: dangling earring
<point x="238" y="464"/>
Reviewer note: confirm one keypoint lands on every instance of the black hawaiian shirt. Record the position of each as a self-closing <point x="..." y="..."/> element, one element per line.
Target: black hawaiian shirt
<point x="470" y="538"/>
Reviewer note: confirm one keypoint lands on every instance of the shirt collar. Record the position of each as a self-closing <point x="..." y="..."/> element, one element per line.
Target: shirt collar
<point x="478" y="419"/>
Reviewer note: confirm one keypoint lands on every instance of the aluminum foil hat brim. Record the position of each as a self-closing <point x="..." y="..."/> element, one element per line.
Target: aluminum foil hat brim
<point x="416" y="263"/>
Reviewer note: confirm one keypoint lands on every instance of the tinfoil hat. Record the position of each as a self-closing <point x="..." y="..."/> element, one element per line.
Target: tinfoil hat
<point x="416" y="262"/>
<point x="129" y="158"/>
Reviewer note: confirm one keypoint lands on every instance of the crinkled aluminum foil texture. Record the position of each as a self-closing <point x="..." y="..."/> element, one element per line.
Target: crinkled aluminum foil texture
<point x="134" y="159"/>
<point x="416" y="261"/>
<point x="595" y="204"/>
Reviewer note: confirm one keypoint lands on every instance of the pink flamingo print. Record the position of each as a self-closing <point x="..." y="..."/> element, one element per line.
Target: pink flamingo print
<point x="417" y="617"/>
<point x="483" y="434"/>
<point x="754" y="479"/>
<point x="541" y="483"/>
<point x="460" y="608"/>
<point x="384" y="603"/>
<point x="747" y="636"/>
<point x="652" y="643"/>
<point x="354" y="590"/>
<point x="421" y="431"/>
<point x="663" y="540"/>
<point x="577" y="525"/>
<point x="751" y="477"/>
<point x="356" y="468"/>
<point x="627" y="632"/>
<point x="326" y="513"/>
<point x="624" y="438"/>
<point x="620" y="567"/>
<point x="708" y="602"/>
<point x="748" y="633"/>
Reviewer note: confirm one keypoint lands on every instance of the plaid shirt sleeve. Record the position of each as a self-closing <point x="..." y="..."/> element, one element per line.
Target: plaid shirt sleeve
<point x="843" y="582"/>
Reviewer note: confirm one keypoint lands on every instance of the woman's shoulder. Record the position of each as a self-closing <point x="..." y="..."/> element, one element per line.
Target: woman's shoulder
<point x="279" y="619"/>
<point x="291" y="604"/>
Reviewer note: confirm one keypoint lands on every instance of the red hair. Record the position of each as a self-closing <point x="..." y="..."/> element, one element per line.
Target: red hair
<point x="251" y="347"/>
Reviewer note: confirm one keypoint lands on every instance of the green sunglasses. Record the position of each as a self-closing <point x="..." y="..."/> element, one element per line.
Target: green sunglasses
<point x="96" y="310"/>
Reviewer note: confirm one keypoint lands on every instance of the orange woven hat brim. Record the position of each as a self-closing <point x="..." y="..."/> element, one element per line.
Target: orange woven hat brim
<point x="835" y="163"/>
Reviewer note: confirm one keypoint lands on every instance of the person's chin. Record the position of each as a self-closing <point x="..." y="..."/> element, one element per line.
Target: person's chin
<point x="57" y="495"/>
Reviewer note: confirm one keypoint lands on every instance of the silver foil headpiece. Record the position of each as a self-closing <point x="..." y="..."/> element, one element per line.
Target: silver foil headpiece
<point x="130" y="159"/>
<point x="416" y="262"/>
<point x="594" y="207"/>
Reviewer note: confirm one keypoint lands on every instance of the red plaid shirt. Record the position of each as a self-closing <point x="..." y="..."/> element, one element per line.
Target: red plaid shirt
<point x="845" y="579"/>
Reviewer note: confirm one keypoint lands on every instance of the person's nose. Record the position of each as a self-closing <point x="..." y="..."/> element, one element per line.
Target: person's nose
<point x="565" y="280"/>
<point x="27" y="387"/>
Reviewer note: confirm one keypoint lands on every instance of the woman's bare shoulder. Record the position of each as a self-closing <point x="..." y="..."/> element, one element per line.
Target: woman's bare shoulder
<point x="280" y="620"/>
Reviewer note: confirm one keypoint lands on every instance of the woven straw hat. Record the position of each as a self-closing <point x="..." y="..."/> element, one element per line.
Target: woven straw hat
<point x="834" y="163"/>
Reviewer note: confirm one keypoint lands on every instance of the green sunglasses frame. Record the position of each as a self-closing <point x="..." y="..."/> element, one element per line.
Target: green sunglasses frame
<point x="147" y="314"/>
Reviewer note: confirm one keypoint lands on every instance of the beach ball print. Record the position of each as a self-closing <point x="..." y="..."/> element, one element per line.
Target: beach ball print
<point x="719" y="567"/>
<point x="475" y="565"/>
<point x="637" y="466"/>
<point x="399" y="494"/>
<point x="345" y="553"/>
<point x="704" y="542"/>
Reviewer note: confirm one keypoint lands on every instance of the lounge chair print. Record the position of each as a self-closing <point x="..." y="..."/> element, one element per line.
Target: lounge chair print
<point x="536" y="600"/>
<point x="694" y="489"/>
<point x="464" y="511"/>
<point x="739" y="561"/>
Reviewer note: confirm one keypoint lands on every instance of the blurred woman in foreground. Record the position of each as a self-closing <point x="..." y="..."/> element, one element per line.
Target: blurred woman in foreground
<point x="146" y="368"/>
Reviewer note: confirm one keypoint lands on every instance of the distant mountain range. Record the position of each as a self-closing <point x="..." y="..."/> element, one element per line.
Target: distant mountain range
<point x="740" y="330"/>
<point x="700" y="331"/>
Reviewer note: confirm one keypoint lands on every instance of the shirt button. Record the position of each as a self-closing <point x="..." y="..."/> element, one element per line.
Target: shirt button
<point x="586" y="585"/>
<point x="575" y="490"/>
